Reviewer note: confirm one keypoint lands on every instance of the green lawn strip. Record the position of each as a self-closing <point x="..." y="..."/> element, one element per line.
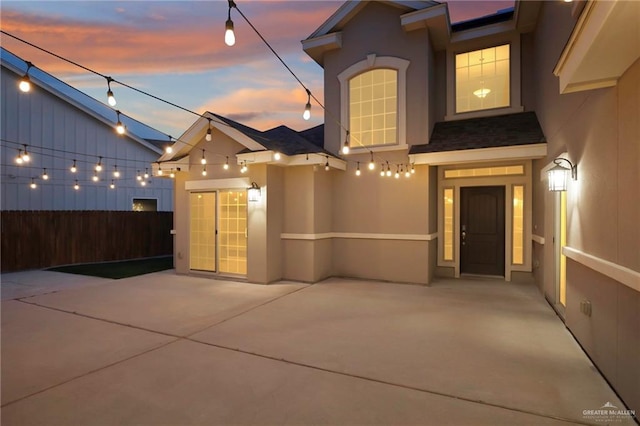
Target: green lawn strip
<point x="117" y="270"/>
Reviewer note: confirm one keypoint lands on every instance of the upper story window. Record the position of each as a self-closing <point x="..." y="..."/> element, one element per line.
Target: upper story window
<point x="373" y="108"/>
<point x="482" y="79"/>
<point x="373" y="102"/>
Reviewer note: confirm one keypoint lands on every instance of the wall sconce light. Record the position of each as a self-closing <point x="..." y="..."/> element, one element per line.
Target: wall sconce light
<point x="558" y="176"/>
<point x="253" y="193"/>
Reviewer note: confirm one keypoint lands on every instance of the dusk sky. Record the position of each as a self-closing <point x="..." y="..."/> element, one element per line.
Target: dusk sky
<point x="175" y="50"/>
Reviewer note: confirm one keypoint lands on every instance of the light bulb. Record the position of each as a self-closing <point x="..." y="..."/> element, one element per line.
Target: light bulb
<point x="25" y="84"/>
<point x="208" y="137"/>
<point x="204" y="172"/>
<point x="113" y="185"/>
<point x="33" y="184"/>
<point x="229" y="36"/>
<point x="110" y="98"/>
<point x="277" y="156"/>
<point x="95" y="178"/>
<point x="120" y="128"/>
<point x="397" y="175"/>
<point x="307" y="111"/>
<point x="358" y="170"/>
<point x="413" y="170"/>
<point x="372" y="165"/>
<point x="345" y="148"/>
<point x="45" y="176"/>
<point x="25" y="156"/>
<point x="99" y="166"/>
<point x="172" y="175"/>
<point x="76" y="186"/>
<point x="160" y="172"/>
<point x="388" y="172"/>
<point x="226" y="166"/>
<point x="73" y="168"/>
<point x="138" y="177"/>
<point x="146" y="174"/>
<point x="381" y="173"/>
<point x="168" y="150"/>
<point x="19" y="159"/>
<point x="143" y="183"/>
<point x="116" y="172"/>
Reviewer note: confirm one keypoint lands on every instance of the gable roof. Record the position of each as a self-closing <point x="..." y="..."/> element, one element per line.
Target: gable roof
<point x="488" y="132"/>
<point x="136" y="130"/>
<point x="350" y="8"/>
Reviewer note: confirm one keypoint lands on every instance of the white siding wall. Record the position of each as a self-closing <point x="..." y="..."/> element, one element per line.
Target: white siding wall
<point x="57" y="132"/>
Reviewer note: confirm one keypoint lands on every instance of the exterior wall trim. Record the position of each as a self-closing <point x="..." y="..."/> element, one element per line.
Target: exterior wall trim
<point x="359" y="235"/>
<point x="210" y="184"/>
<point x="517" y="152"/>
<point x="622" y="274"/>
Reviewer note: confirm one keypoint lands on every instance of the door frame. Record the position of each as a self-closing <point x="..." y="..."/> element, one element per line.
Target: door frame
<point x="452" y="267"/>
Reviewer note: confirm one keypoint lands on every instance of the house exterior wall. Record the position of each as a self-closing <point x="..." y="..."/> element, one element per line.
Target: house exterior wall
<point x="56" y="133"/>
<point x="376" y="30"/>
<point x="599" y="130"/>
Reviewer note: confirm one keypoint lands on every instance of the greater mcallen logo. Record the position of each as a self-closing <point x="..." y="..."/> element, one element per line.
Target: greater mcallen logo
<point x="608" y="413"/>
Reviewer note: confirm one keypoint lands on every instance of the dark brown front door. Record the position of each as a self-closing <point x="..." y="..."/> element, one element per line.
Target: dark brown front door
<point x="482" y="230"/>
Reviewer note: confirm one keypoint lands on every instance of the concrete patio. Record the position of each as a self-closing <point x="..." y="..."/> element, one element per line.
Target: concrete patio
<point x="176" y="350"/>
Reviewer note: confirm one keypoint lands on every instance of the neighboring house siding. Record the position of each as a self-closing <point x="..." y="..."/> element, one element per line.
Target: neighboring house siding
<point x="54" y="130"/>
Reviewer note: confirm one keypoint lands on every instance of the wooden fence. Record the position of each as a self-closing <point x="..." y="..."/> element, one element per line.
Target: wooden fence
<point x="40" y="239"/>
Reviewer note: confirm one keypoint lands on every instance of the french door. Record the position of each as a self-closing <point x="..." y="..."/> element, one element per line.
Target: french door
<point x="218" y="232"/>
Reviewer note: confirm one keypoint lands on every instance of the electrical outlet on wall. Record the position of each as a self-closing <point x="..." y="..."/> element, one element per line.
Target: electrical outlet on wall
<point x="585" y="307"/>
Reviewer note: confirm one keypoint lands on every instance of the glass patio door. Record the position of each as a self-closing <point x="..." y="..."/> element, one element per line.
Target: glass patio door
<point x="232" y="242"/>
<point x="202" y="234"/>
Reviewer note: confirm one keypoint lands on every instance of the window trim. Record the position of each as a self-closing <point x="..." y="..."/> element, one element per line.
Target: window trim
<point x="515" y="89"/>
<point x="370" y="63"/>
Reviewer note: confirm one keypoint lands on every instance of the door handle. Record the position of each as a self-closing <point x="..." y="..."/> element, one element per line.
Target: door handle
<point x="463" y="234"/>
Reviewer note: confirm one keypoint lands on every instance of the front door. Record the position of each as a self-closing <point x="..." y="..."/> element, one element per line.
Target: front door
<point x="482" y="230"/>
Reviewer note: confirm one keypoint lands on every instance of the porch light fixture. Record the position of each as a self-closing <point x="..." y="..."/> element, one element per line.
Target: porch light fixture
<point x="307" y="108"/>
<point x="229" y="36"/>
<point x="208" y="136"/>
<point x="345" y="147"/>
<point x="119" y="126"/>
<point x="25" y="82"/>
<point x="558" y="176"/>
<point x="111" y="100"/>
<point x="253" y="193"/>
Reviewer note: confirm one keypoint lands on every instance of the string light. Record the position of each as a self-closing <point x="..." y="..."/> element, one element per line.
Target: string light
<point x="146" y="173"/>
<point x="76" y="186"/>
<point x="413" y="169"/>
<point x="25" y="81"/>
<point x="358" y="169"/>
<point x="33" y="184"/>
<point x="120" y="129"/>
<point x="95" y="177"/>
<point x="204" y="170"/>
<point x="397" y="175"/>
<point x="116" y="172"/>
<point x="169" y="149"/>
<point x="388" y="170"/>
<point x="345" y="147"/>
<point x="45" y="176"/>
<point x="229" y="36"/>
<point x="208" y="136"/>
<point x="138" y="177"/>
<point x="277" y="156"/>
<point x="243" y="169"/>
<point x="172" y="174"/>
<point x="307" y="108"/>
<point x="382" y="170"/>
<point x="25" y="155"/>
<point x="160" y="172"/>
<point x="372" y="165"/>
<point x="407" y="173"/>
<point x="73" y="168"/>
<point x="113" y="184"/>
<point x="326" y="166"/>
<point x="143" y="183"/>
<point x="19" y="159"/>
<point x="99" y="165"/>
<point x="226" y="164"/>
<point x="203" y="160"/>
<point x="111" y="100"/>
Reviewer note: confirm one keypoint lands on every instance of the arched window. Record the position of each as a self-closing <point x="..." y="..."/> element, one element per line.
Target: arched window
<point x="373" y="102"/>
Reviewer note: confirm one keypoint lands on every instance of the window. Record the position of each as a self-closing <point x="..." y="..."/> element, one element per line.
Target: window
<point x="144" y="205"/>
<point x="482" y="79"/>
<point x="484" y="171"/>
<point x="373" y="103"/>
<point x="447" y="253"/>
<point x="373" y="108"/>
<point x="517" y="245"/>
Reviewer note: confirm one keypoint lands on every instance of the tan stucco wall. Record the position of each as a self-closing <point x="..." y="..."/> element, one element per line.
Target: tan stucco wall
<point x="600" y="131"/>
<point x="376" y="30"/>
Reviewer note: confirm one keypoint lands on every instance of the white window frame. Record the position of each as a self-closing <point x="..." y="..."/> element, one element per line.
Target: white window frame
<point x="370" y="63"/>
<point x="515" y="89"/>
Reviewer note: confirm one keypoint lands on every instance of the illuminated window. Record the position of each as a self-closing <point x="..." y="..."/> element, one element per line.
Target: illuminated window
<point x="447" y="252"/>
<point x="485" y="171"/>
<point x="482" y="79"/>
<point x="373" y="108"/>
<point x="518" y="225"/>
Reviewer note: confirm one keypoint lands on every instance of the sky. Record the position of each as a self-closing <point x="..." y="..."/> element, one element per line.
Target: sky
<point x="175" y="50"/>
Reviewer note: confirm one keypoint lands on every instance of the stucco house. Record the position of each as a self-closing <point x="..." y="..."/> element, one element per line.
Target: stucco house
<point x="61" y="127"/>
<point x="476" y="115"/>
